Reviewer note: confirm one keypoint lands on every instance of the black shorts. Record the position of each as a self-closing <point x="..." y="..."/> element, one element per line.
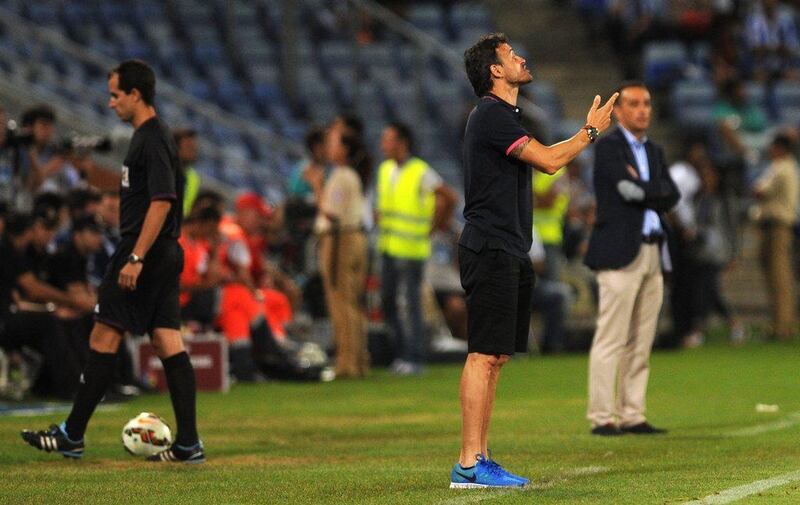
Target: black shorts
<point x="499" y="286"/>
<point x="154" y="302"/>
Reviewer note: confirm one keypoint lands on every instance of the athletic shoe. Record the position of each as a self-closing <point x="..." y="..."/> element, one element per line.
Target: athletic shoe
<point x="483" y="474"/>
<point x="54" y="440"/>
<point x="179" y="454"/>
<point x="644" y="428"/>
<point x="525" y="481"/>
<point x="607" y="430"/>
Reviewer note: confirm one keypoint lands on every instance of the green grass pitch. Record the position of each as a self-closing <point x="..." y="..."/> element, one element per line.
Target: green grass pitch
<point x="391" y="440"/>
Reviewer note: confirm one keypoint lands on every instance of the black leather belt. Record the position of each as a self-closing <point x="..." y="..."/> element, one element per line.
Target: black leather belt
<point x="654" y="238"/>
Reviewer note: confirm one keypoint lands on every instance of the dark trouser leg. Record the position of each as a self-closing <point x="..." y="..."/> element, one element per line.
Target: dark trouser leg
<point x="390" y="281"/>
<point x="411" y="273"/>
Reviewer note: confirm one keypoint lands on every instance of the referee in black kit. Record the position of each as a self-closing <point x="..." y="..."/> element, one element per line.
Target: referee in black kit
<point x="139" y="293"/>
<point x="496" y="272"/>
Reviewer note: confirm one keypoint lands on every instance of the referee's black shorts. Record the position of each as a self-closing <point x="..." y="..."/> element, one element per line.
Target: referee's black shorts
<point x="154" y="302"/>
<point x="499" y="287"/>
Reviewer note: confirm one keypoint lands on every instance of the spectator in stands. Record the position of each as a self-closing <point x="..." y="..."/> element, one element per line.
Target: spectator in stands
<point x="550" y="297"/>
<point x="702" y="246"/>
<point x="188" y="154"/>
<point x="685" y="174"/>
<point x="631" y="24"/>
<point x="202" y="274"/>
<point x="777" y="193"/>
<point x="714" y="252"/>
<point x="8" y="160"/>
<point x="741" y="127"/>
<point x="550" y="203"/>
<point x="3" y="216"/>
<point x="727" y="60"/>
<point x="45" y="167"/>
<point x="308" y="176"/>
<point x="407" y="191"/>
<point x="25" y="319"/>
<point x="343" y="249"/>
<point x="67" y="271"/>
<point x="580" y="213"/>
<point x="442" y="273"/>
<point x="771" y="37"/>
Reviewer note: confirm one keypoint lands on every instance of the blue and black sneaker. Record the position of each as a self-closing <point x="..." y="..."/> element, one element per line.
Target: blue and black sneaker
<point x="483" y="474"/>
<point x="54" y="439"/>
<point x="180" y="454"/>
<point x="525" y="481"/>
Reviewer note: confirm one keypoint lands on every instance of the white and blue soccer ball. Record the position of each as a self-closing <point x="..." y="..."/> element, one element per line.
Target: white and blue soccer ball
<point x="146" y="434"/>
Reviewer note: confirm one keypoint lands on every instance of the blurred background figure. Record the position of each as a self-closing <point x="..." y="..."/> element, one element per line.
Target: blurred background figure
<point x="776" y="212"/>
<point x="343" y="249"/>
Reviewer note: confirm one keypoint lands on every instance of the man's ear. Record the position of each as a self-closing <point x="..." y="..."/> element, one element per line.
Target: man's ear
<point x="496" y="70"/>
<point x="136" y="94"/>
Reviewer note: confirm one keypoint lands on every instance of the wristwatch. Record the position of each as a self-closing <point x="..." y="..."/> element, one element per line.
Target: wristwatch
<point x="134" y="259"/>
<point x="592" y="132"/>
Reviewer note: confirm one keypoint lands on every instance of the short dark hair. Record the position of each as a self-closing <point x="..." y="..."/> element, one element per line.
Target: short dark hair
<point x="207" y="215"/>
<point x="314" y="137"/>
<point x="38" y="113"/>
<point x="404" y="132"/>
<point x="630" y="84"/>
<point x="18" y="223"/>
<point x="478" y="59"/>
<point x="352" y="122"/>
<point x="79" y="198"/>
<point x="136" y="74"/>
<point x="783" y="141"/>
<point x="183" y="133"/>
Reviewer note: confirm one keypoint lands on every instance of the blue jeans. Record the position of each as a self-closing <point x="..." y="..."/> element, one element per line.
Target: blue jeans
<point x="397" y="274"/>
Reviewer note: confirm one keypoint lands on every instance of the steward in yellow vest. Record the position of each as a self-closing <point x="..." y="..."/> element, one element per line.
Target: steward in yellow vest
<point x="411" y="199"/>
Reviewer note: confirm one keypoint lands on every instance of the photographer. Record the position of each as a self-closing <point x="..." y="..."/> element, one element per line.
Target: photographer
<point x="43" y="165"/>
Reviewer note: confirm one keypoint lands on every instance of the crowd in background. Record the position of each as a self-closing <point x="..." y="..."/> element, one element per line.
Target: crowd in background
<point x="367" y="245"/>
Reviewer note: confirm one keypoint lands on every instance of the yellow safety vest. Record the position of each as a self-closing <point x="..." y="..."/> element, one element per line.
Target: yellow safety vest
<point x="549" y="223"/>
<point x="406" y="215"/>
<point x="191" y="190"/>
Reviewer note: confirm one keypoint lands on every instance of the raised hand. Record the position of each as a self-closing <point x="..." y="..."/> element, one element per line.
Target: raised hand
<point x="600" y="117"/>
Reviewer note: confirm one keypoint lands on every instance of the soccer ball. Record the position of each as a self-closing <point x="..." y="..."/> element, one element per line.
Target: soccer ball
<point x="146" y="434"/>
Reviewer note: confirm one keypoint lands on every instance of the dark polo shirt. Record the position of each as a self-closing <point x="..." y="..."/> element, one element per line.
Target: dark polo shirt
<point x="497" y="187"/>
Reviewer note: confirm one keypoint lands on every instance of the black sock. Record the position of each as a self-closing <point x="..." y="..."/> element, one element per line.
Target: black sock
<point x="180" y="379"/>
<point x="94" y="383"/>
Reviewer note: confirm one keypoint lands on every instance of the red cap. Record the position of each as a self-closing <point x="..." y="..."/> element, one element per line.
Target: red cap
<point x="252" y="200"/>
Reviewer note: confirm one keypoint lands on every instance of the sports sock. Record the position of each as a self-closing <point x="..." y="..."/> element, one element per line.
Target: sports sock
<point x="94" y="382"/>
<point x="180" y="380"/>
<point x="467" y="468"/>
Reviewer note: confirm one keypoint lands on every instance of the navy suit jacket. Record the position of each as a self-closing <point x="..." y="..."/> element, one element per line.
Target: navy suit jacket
<point x="617" y="233"/>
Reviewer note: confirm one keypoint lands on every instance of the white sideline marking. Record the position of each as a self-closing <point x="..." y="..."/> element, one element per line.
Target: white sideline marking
<point x="792" y="419"/>
<point x="51" y="409"/>
<point x="737" y="493"/>
<point x="479" y="495"/>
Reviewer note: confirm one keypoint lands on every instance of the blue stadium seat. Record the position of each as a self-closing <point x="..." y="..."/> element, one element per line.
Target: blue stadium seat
<point x="663" y="63"/>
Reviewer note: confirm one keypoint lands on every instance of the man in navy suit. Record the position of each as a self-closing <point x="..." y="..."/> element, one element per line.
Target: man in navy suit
<point x="633" y="187"/>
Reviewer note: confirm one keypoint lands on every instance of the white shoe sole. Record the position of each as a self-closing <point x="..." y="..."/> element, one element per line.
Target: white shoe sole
<point x="467" y="485"/>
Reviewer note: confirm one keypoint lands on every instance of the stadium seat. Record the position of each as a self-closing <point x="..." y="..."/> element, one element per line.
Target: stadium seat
<point x="663" y="63"/>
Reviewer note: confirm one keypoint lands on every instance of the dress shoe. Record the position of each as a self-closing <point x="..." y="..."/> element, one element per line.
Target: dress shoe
<point x="607" y="430"/>
<point x="644" y="428"/>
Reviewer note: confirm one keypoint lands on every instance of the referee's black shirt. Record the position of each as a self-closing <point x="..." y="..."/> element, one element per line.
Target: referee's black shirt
<point x="497" y="187"/>
<point x="151" y="171"/>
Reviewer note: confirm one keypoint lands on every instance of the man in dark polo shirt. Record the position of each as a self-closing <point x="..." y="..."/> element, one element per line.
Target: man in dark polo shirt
<point x="499" y="155"/>
<point x="139" y="293"/>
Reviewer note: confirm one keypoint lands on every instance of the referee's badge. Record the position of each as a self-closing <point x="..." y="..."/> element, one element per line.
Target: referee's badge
<point x="126" y="183"/>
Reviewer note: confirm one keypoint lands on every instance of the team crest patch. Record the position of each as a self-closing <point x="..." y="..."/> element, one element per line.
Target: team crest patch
<point x="126" y="183"/>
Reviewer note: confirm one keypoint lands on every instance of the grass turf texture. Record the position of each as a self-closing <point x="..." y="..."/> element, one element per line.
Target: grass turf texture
<point x="392" y="440"/>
